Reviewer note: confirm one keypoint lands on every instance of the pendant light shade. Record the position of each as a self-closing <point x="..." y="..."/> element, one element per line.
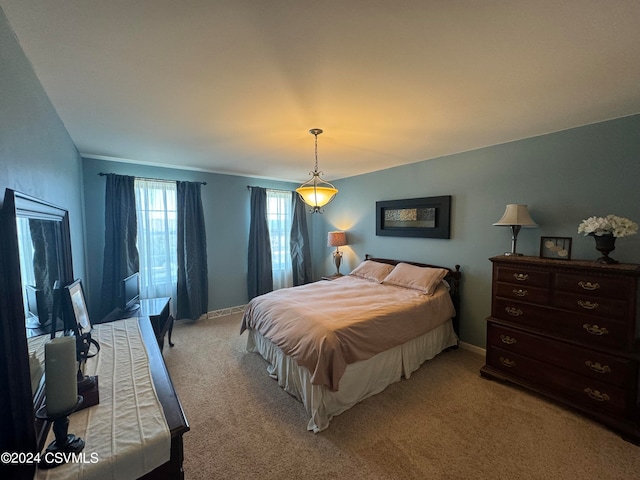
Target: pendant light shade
<point x="316" y="192"/>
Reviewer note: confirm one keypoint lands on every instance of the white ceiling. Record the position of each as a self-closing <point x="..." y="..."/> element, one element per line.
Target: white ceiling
<point x="233" y="86"/>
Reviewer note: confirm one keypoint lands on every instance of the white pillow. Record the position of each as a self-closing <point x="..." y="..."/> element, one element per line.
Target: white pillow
<point x="372" y="271"/>
<point x="424" y="279"/>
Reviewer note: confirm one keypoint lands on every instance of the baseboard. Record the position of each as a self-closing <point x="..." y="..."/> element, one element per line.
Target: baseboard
<point x="224" y="311"/>
<point x="472" y="348"/>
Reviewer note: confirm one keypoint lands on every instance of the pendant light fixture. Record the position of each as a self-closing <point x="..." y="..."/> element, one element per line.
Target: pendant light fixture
<point x="316" y="192"/>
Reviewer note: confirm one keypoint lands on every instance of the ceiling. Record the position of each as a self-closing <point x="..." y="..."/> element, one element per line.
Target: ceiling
<point x="233" y="86"/>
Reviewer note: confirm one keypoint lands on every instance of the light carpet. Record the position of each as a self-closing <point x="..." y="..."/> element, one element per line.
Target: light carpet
<point x="445" y="422"/>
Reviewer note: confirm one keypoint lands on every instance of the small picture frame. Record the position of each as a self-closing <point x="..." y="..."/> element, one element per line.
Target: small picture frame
<point x="555" y="247"/>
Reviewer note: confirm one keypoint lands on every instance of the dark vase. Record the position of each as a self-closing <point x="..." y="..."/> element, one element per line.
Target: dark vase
<point x="605" y="244"/>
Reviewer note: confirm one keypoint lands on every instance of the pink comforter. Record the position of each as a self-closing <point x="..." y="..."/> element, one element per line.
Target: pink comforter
<point x="326" y="325"/>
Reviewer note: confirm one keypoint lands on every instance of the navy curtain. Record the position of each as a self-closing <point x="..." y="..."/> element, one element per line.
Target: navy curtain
<point x="120" y="235"/>
<point x="300" y="245"/>
<point x="193" y="275"/>
<point x="260" y="275"/>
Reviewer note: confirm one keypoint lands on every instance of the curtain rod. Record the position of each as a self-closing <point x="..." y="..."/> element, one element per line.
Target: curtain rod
<point x="249" y="187"/>
<point x="102" y="174"/>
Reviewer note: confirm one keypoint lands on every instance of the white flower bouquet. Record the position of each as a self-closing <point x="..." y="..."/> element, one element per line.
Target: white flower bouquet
<point x="609" y="225"/>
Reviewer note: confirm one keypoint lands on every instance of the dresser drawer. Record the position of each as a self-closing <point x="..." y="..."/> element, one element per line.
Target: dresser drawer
<point x="522" y="313"/>
<point x="593" y="330"/>
<point x="524" y="293"/>
<point x="523" y="276"/>
<point x="589" y="305"/>
<point x="587" y="392"/>
<point x="589" y="284"/>
<point x="602" y="367"/>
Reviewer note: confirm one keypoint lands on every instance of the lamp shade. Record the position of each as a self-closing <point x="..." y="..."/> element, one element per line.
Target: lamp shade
<point x="336" y="239"/>
<point x="516" y="214"/>
<point x="316" y="196"/>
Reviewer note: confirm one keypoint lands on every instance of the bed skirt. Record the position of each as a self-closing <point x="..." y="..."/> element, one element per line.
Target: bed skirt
<point x="361" y="380"/>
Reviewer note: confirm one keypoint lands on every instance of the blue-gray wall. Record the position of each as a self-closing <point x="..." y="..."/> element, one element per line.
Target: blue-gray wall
<point x="225" y="200"/>
<point x="37" y="156"/>
<point x="564" y="177"/>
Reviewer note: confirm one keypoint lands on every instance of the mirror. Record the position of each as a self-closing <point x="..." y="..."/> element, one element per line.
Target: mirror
<point x="38" y="255"/>
<point x="39" y="249"/>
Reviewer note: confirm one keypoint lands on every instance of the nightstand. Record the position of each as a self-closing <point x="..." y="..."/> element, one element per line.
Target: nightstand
<point x="333" y="277"/>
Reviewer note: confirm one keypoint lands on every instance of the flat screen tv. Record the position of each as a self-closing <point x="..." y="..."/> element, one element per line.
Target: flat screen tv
<point x="130" y="292"/>
<point x="38" y="314"/>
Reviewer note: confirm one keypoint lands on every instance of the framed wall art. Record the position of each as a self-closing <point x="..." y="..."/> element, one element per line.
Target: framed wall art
<point x="555" y="247"/>
<point x="428" y="217"/>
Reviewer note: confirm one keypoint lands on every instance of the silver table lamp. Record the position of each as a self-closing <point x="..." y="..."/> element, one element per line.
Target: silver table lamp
<point x="515" y="216"/>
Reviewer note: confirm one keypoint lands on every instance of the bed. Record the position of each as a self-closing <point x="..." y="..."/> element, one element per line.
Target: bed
<point x="331" y="344"/>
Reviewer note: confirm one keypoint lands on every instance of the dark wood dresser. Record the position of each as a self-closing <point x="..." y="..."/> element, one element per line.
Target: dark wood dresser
<point x="569" y="330"/>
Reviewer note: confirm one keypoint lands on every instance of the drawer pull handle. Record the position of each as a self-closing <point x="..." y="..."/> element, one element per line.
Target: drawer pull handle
<point x="521" y="277"/>
<point x="595" y="329"/>
<point x="588" y="305"/>
<point x="507" y="362"/>
<point x="596" y="395"/>
<point x="589" y="285"/>
<point x="596" y="367"/>
<point x="508" y="340"/>
<point x="520" y="292"/>
<point x="514" y="312"/>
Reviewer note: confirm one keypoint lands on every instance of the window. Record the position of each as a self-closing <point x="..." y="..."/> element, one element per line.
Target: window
<point x="156" y="209"/>
<point x="279" y="218"/>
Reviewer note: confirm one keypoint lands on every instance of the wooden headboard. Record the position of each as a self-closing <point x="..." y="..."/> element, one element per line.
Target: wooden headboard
<point x="452" y="278"/>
